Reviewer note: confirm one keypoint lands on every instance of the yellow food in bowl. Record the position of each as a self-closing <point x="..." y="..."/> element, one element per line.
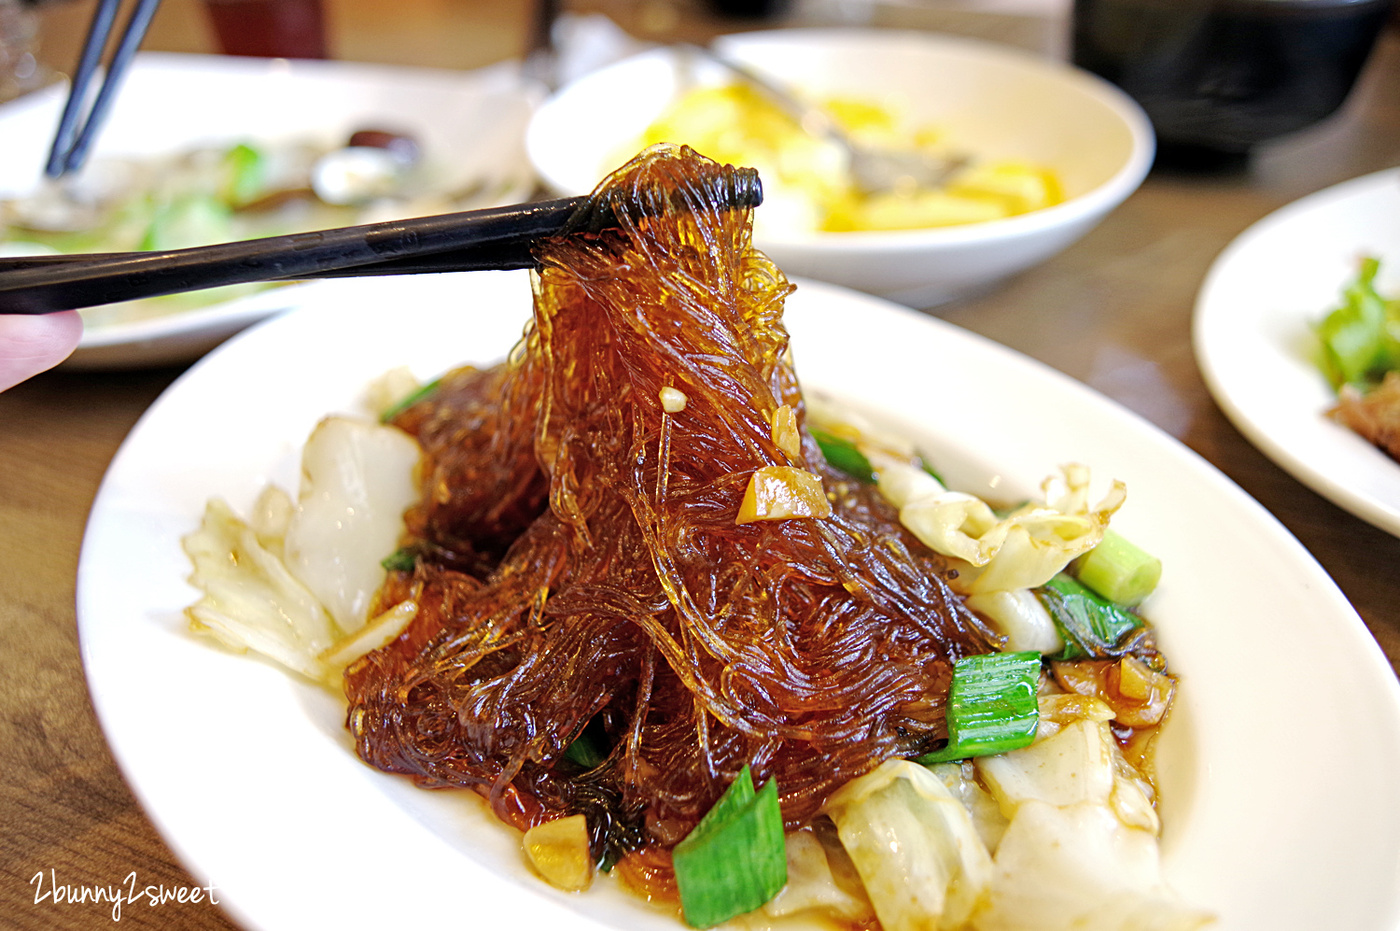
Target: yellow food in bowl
<point x="806" y="182"/>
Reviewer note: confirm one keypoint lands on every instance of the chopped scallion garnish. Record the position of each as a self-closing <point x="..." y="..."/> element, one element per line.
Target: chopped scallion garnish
<point x="842" y="454"/>
<point x="1090" y="625"/>
<point x="412" y="398"/>
<point x="930" y="470"/>
<point x="584" y="752"/>
<point x="992" y="706"/>
<point x="1118" y="570"/>
<point x="400" y="560"/>
<point x="736" y="858"/>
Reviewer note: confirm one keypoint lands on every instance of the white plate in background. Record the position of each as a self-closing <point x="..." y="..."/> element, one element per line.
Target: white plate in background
<point x="1276" y="770"/>
<point x="1253" y="337"/>
<point x="472" y="122"/>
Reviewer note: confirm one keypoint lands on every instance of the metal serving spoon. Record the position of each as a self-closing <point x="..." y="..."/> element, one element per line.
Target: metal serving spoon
<point x="873" y="171"/>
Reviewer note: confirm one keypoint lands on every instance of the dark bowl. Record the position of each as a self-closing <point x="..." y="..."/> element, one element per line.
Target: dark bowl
<point x="1218" y="77"/>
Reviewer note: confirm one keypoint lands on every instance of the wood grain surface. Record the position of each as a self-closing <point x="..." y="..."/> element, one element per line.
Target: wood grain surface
<point x="1113" y="311"/>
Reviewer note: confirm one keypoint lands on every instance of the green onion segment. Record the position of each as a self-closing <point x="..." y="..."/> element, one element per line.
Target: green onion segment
<point x="842" y="454"/>
<point x="1118" y="570"/>
<point x="736" y="858"/>
<point x="1090" y="625"/>
<point x="584" y="752"/>
<point x="930" y="470"/>
<point x="411" y="399"/>
<point x="400" y="560"/>
<point x="992" y="706"/>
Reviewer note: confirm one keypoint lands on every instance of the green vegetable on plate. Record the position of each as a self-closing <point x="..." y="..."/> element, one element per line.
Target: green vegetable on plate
<point x="1360" y="339"/>
<point x="1118" y="570"/>
<point x="735" y="859"/>
<point x="1091" y="625"/>
<point x="992" y="706"/>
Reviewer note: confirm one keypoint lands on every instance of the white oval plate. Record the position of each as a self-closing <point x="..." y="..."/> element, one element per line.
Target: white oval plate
<point x="1276" y="770"/>
<point x="1253" y="337"/>
<point x="472" y="121"/>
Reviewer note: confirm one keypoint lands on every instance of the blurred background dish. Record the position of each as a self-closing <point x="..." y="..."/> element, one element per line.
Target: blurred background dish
<point x="191" y="120"/>
<point x="991" y="102"/>
<point x="1255" y="345"/>
<point x="999" y="105"/>
<point x="1218" y="77"/>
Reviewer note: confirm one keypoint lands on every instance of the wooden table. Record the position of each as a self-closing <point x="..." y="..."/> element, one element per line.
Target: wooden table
<point x="1114" y="311"/>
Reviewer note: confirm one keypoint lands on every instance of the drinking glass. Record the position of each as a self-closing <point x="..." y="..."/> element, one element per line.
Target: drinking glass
<point x="269" y="28"/>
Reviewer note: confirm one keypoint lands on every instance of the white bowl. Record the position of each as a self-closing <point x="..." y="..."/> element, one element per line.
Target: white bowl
<point x="996" y="101"/>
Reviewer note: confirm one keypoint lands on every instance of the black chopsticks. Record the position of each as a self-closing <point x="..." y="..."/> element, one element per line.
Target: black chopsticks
<point x="495" y="238"/>
<point x="502" y="237"/>
<point x="72" y="139"/>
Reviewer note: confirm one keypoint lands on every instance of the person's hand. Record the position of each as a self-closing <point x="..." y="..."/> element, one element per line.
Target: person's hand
<point x="30" y="345"/>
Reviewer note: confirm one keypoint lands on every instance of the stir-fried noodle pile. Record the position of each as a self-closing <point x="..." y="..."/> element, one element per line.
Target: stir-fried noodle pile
<point x="581" y="572"/>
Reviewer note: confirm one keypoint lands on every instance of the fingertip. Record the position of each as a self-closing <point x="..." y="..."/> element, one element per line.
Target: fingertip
<point x="33" y="344"/>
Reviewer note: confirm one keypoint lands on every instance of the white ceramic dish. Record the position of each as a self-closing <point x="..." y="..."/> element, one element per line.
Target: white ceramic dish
<point x="473" y="122"/>
<point x="1253" y="337"/>
<point x="1278" y="799"/>
<point x="998" y="102"/>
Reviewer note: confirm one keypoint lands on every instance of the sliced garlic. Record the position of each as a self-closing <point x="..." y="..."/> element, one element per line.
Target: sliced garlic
<point x="558" y="850"/>
<point x="785" y="433"/>
<point x="781" y="493"/>
<point x="1135" y="680"/>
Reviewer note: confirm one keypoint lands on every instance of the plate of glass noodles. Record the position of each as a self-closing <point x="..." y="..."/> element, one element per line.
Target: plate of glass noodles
<point x="650" y="589"/>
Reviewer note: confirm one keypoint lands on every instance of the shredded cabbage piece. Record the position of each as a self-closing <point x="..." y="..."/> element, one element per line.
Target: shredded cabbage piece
<point x="379" y="631"/>
<point x="357" y="479"/>
<point x="251" y="601"/>
<point x="960" y="778"/>
<point x="1058" y="836"/>
<point x="295" y="582"/>
<point x="1021" y="616"/>
<point x="812" y="886"/>
<point x="1112" y="883"/>
<point x="1073" y="791"/>
<point x="914" y="844"/>
<point x="1022" y="550"/>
